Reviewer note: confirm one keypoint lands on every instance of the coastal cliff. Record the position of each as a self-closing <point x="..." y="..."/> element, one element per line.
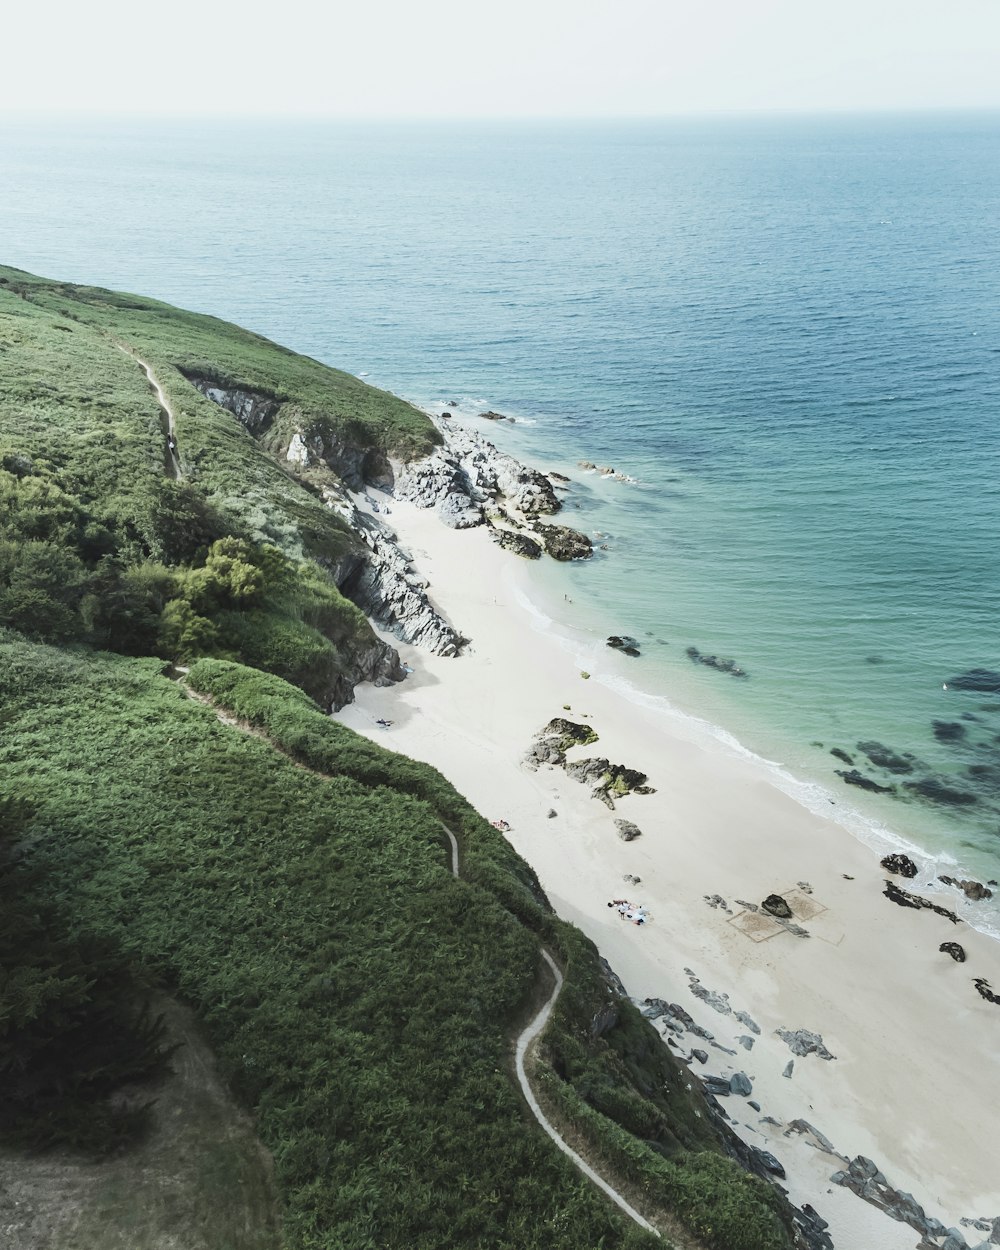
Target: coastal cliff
<point x="189" y="564"/>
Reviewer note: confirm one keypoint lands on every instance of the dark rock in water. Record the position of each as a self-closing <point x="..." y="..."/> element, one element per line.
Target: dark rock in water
<point x="955" y="950"/>
<point x="623" y="643"/>
<point x="934" y="790"/>
<point x="520" y="544"/>
<point x="563" y="543"/>
<point x="983" y="680"/>
<point x="842" y="755"/>
<point x="948" y="730"/>
<point x="608" y="779"/>
<point x="854" y="778"/>
<point x="740" y="1084"/>
<point x="905" y="899"/>
<point x="445" y="416"/>
<point x="494" y="416"/>
<point x="883" y="757"/>
<point x="972" y="889"/>
<point x="557" y="477"/>
<point x="627" y="831"/>
<point x="902" y="865"/>
<point x="983" y="987"/>
<point x="713" y="661"/>
<point x="776" y="906"/>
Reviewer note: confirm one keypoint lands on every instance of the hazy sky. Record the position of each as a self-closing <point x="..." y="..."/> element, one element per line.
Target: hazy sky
<point x="509" y="58"/>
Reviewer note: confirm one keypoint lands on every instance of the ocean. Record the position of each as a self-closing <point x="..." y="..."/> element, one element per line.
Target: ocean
<point x="784" y="331"/>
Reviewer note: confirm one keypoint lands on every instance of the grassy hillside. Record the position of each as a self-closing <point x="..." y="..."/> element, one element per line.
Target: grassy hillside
<point x="285" y="879"/>
<point x="97" y="539"/>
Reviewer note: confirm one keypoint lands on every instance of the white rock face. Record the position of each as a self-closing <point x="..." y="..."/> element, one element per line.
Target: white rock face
<point x="458" y="478"/>
<point x="298" y="452"/>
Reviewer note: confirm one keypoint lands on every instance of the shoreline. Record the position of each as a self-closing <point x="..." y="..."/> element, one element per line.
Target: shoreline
<point x="913" y="1039"/>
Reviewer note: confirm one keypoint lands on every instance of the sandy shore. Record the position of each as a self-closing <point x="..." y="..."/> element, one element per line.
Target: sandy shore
<point x="913" y="1085"/>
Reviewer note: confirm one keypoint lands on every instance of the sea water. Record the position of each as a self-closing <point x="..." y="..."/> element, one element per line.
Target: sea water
<point x="784" y="332"/>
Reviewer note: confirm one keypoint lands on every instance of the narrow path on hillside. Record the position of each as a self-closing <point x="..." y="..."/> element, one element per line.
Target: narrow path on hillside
<point x="523" y="1045"/>
<point x="534" y="1027"/>
<point x="171" y="462"/>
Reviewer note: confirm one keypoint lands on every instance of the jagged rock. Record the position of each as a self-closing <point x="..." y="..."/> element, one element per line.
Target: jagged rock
<point x="623" y="643"/>
<point x="955" y="950"/>
<point x="551" y="813"/>
<point x="984" y="990"/>
<point x="627" y="831"/>
<point x="905" y="899"/>
<point x="608" y="779"/>
<point x="557" y="477"/>
<point x="769" y="1162"/>
<point x="974" y="890"/>
<point x="569" y="733"/>
<point x="713" y="661"/>
<point x="604" y="1020"/>
<point x="700" y="1055"/>
<point x="458" y="512"/>
<point x="520" y="544"/>
<point x="855" y="778"/>
<point x="563" y="543"/>
<point x="983" y="680"/>
<point x="883" y="757"/>
<point x="902" y="865"/>
<point x="789" y="1067"/>
<point x="746" y="1042"/>
<point x="470" y="468"/>
<point x="254" y="410"/>
<point x="775" y="905"/>
<point x="384" y="586"/>
<point x="801" y="1042"/>
<point x="747" y="1022"/>
<point x="740" y="1084"/>
<point x="717" y="1085"/>
<point x="718" y="1002"/>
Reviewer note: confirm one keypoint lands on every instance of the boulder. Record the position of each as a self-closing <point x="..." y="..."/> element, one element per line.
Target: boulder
<point x="565" y="544"/>
<point x="974" y="890"/>
<point x="769" y="1162"/>
<point x="955" y="950"/>
<point x="740" y="1084"/>
<point x="902" y="865"/>
<point x="700" y="1055"/>
<point x="627" y="831"/>
<point x="623" y="643"/>
<point x="520" y="544"/>
<point x="775" y="905"/>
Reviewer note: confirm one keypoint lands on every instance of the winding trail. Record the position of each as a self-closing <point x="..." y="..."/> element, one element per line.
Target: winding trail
<point x="524" y="1042"/>
<point x="173" y="464"/>
<point x="532" y="1030"/>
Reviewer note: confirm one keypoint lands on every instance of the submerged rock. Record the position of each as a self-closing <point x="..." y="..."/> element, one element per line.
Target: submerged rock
<point x="948" y="730"/>
<point x="623" y="643"/>
<point x="934" y="790"/>
<point x="982" y="680"/>
<point x="855" y="778"/>
<point x="842" y="755"/>
<point x="714" y="661"/>
<point x="884" y="757"/>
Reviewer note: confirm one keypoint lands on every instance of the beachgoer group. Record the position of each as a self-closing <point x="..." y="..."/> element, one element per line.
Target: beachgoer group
<point x="630" y="911"/>
<point x="500" y="824"/>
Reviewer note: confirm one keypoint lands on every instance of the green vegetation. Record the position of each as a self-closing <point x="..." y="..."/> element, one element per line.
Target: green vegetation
<point x="291" y="885"/>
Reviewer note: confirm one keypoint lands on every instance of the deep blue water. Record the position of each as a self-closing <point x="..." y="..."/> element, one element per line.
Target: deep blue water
<point x="787" y="331"/>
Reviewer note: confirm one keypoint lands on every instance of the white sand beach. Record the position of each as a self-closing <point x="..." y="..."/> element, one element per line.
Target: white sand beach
<point x="917" y="1050"/>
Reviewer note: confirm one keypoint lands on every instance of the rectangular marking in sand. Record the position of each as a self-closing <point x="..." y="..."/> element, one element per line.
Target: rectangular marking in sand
<point x="757" y="926"/>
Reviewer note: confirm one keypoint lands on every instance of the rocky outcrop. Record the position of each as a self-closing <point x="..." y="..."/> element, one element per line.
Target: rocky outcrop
<point x="955" y="949"/>
<point x="627" y="831"/>
<point x="864" y="1177"/>
<point x="254" y="410"/>
<point x="974" y="890"/>
<point x="905" y="899"/>
<point x="467" y="472"/>
<point x="623" y="643"/>
<point x="563" y="543"/>
<point x="776" y="906"/>
<point x="801" y="1042"/>
<point x="376" y="663"/>
<point x="608" y="780"/>
<point x="552" y="743"/>
<point x="514" y="540"/>
<point x="383" y="583"/>
<point x="902" y="865"/>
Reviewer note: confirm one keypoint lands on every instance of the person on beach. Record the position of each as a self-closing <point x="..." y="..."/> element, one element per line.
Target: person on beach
<point x="385" y="724"/>
<point x="500" y="824"/>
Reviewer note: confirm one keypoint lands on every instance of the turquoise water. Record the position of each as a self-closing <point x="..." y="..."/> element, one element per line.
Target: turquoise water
<point x="787" y="331"/>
